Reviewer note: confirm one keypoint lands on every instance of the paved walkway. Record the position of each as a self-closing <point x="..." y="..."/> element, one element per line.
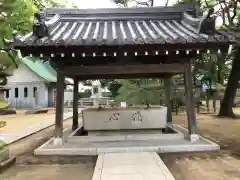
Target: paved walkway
<point x="131" y="166"/>
<point x="12" y="135"/>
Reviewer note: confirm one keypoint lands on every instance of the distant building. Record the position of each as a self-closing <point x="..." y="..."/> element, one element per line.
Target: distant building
<point x="98" y="92"/>
<point x="32" y="85"/>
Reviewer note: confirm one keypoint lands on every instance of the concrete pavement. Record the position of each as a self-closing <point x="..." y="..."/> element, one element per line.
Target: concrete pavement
<point x="131" y="166"/>
<point x="12" y="136"/>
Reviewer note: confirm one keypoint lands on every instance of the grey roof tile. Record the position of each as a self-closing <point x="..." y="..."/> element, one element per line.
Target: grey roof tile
<point x="84" y="27"/>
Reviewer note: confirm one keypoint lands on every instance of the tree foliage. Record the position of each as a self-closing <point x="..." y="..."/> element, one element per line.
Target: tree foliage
<point x="219" y="68"/>
<point x="45" y="3"/>
<point x="122" y="2"/>
<point x="86" y="94"/>
<point x="211" y="69"/>
<point x="40" y="4"/>
<point x="215" y="68"/>
<point x="114" y="87"/>
<point x="140" y="91"/>
<point x="16" y="16"/>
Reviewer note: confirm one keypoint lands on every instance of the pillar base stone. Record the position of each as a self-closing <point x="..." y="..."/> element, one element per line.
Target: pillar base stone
<point x="57" y="141"/>
<point x="193" y="137"/>
<point x="74" y="127"/>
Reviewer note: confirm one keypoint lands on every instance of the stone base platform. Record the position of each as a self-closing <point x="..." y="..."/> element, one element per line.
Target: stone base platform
<point x="150" y="142"/>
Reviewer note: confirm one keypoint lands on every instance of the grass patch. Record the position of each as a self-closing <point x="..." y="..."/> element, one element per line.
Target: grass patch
<point x="2" y="144"/>
<point x="4" y="152"/>
<point x="3" y="105"/>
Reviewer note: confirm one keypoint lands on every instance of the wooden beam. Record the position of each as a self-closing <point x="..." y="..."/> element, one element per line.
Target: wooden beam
<point x="123" y="70"/>
<point x="59" y="106"/>
<point x="192" y="125"/>
<point x="35" y="50"/>
<point x="168" y="102"/>
<point x="125" y="76"/>
<point x="75" y="104"/>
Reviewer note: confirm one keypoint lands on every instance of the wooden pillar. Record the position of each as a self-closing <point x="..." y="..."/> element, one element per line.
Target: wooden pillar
<point x="168" y="98"/>
<point x="75" y="104"/>
<point x="59" y="108"/>
<point x="192" y="126"/>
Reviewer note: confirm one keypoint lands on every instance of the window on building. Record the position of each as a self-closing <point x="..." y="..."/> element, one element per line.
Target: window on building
<point x="7" y="93"/>
<point x="25" y="92"/>
<point x="95" y="90"/>
<point x="34" y="91"/>
<point x="16" y="92"/>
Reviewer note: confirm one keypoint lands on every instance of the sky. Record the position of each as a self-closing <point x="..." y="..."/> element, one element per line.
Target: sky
<point x="94" y="4"/>
<point x="82" y="4"/>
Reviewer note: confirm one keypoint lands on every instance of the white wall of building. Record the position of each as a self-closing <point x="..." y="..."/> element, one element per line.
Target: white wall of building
<point x="25" y="81"/>
<point x="40" y="100"/>
<point x="24" y="74"/>
<point x="68" y="96"/>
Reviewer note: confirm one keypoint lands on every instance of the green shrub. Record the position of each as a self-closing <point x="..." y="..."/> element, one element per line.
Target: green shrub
<point x="2" y="144"/>
<point x="3" y="105"/>
<point x="238" y="93"/>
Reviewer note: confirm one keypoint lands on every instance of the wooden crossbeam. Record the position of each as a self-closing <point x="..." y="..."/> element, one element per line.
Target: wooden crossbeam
<point x="123" y="69"/>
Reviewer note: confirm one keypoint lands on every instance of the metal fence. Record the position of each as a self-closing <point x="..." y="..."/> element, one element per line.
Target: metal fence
<point x="88" y="102"/>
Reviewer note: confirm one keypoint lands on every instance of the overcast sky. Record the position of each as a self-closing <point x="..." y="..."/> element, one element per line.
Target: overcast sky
<point x="94" y="4"/>
<point x="110" y="4"/>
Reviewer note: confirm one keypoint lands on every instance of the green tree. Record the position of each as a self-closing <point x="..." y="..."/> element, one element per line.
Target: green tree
<point x="209" y="70"/>
<point x="40" y="4"/>
<point x="140" y="91"/>
<point x="86" y="94"/>
<point x="147" y="3"/>
<point x="228" y="11"/>
<point x="17" y="16"/>
<point x="218" y="67"/>
<point x="122" y="2"/>
<point x="113" y="87"/>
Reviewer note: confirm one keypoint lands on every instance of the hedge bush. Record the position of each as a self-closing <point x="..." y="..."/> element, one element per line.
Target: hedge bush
<point x="2" y="144"/>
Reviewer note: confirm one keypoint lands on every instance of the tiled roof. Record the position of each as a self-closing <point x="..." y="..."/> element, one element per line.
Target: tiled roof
<point x="125" y="27"/>
<point x="43" y="69"/>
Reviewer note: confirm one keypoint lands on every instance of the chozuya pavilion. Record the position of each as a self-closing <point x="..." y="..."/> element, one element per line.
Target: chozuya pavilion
<point x="121" y="43"/>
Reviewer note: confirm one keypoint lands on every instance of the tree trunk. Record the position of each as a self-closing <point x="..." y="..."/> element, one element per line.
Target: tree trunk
<point x="75" y="104"/>
<point x="230" y="92"/>
<point x="219" y="75"/>
<point x="152" y="3"/>
<point x="220" y="64"/>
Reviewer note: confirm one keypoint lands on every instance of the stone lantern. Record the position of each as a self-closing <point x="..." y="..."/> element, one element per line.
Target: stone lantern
<point x="96" y="92"/>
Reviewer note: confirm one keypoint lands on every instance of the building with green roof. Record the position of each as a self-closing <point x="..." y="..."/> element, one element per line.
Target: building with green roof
<point x="32" y="85"/>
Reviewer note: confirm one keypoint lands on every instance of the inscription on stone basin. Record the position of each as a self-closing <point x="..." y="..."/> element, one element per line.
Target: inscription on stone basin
<point x="136" y="117"/>
<point x="117" y="119"/>
<point x="114" y="117"/>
